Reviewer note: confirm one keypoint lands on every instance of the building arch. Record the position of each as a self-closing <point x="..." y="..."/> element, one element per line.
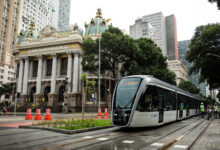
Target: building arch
<point x="32" y="92"/>
<point x="61" y="94"/>
<point x="46" y="92"/>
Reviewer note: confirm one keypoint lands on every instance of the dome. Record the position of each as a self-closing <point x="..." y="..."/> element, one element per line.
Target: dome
<point x="97" y="25"/>
<point x="29" y="33"/>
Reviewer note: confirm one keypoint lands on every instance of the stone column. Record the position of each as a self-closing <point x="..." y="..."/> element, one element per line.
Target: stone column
<point x="53" y="77"/>
<point x="25" y="81"/>
<point x="39" y="74"/>
<point x="20" y="76"/>
<point x="31" y="66"/>
<point x="75" y="73"/>
<point x="80" y="73"/>
<point x="38" y="96"/>
<point x="69" y="70"/>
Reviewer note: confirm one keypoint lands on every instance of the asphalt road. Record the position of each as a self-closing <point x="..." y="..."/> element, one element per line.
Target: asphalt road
<point x="187" y="131"/>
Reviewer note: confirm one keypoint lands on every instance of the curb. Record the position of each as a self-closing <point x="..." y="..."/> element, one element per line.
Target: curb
<point x="67" y="131"/>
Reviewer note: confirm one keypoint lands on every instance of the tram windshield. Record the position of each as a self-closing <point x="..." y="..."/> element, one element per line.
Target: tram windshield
<point x="125" y="92"/>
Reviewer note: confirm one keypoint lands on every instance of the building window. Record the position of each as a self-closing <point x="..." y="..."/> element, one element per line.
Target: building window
<point x="35" y="68"/>
<point x="49" y="67"/>
<point x="63" y="66"/>
<point x="17" y="70"/>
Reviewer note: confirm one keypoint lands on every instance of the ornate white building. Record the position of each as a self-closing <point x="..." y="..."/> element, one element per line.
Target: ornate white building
<point x="46" y="63"/>
<point x="48" y="68"/>
<point x="179" y="69"/>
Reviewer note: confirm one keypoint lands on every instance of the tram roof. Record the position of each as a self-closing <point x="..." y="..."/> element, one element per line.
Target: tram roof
<point x="152" y="79"/>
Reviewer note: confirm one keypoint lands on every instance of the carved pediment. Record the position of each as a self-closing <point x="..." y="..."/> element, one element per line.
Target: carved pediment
<point x="48" y="31"/>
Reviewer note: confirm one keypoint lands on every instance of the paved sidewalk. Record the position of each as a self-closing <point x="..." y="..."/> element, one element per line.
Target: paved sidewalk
<point x="210" y="139"/>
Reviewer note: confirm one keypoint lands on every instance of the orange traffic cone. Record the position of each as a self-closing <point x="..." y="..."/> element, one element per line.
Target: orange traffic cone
<point x="48" y="117"/>
<point x="28" y="117"/>
<point x="99" y="112"/>
<point x="106" y="112"/>
<point x="38" y="117"/>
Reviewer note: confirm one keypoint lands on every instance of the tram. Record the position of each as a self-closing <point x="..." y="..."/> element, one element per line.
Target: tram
<point x="143" y="101"/>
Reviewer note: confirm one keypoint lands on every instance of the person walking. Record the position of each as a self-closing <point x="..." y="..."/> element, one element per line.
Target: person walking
<point x="216" y="109"/>
<point x="202" y="108"/>
<point x="210" y="111"/>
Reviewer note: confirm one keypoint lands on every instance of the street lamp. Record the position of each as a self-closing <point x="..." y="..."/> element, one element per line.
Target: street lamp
<point x="99" y="69"/>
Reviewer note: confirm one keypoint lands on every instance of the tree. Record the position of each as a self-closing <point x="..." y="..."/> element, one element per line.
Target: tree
<point x="5" y="89"/>
<point x="114" y="49"/>
<point x="122" y="54"/>
<point x="87" y="87"/>
<point x="189" y="86"/>
<point x="148" y="60"/>
<point x="218" y="3"/>
<point x="204" y="48"/>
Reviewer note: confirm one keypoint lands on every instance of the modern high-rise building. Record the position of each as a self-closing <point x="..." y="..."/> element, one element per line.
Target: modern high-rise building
<point x="142" y="29"/>
<point x="8" y="18"/>
<point x="158" y="21"/>
<point x="166" y="33"/>
<point x="60" y="14"/>
<point x="37" y="11"/>
<point x="171" y="31"/>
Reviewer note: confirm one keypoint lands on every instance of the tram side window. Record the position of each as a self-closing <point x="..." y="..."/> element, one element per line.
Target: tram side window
<point x="181" y="101"/>
<point x="146" y="101"/>
<point x="170" y="100"/>
<point x="160" y="99"/>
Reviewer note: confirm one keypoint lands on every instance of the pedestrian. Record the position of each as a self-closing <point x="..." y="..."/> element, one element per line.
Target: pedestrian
<point x="210" y="111"/>
<point x="4" y="110"/>
<point x="202" y="108"/>
<point x="216" y="109"/>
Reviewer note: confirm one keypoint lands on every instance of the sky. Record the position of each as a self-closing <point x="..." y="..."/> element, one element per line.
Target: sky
<point x="123" y="13"/>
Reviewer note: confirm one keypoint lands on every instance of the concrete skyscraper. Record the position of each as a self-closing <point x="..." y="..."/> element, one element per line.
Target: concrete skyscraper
<point x="60" y="14"/>
<point x="172" y="45"/>
<point x="38" y="11"/>
<point x="142" y="29"/>
<point x="158" y="21"/>
<point x="166" y="33"/>
<point x="8" y="19"/>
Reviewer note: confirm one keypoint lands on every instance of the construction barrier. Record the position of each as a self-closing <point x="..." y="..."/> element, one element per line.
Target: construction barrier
<point x="28" y="116"/>
<point x="99" y="112"/>
<point x="48" y="116"/>
<point x="38" y="117"/>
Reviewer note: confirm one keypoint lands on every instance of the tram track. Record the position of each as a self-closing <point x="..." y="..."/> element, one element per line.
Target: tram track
<point x="172" y="142"/>
<point x="166" y="135"/>
<point x="169" y="144"/>
<point x="119" y="135"/>
<point x="198" y="137"/>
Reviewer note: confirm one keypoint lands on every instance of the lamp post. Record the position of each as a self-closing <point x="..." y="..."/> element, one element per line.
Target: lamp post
<point x="99" y="70"/>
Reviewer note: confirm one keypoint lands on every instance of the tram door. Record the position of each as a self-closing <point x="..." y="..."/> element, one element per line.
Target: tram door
<point x="160" y="100"/>
<point x="160" y="116"/>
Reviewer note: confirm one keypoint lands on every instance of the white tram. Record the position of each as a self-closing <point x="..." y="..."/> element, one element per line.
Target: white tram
<point x="142" y="101"/>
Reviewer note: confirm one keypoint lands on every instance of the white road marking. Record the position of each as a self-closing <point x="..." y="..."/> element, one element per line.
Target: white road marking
<point x="157" y="144"/>
<point x="87" y="137"/>
<point x="181" y="146"/>
<point x="102" y="139"/>
<point x="127" y="141"/>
